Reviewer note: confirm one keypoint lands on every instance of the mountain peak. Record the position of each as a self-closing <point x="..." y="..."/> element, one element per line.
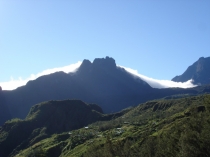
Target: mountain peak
<point x="100" y="82"/>
<point x="86" y="64"/>
<point x="198" y="71"/>
<point x="201" y="58"/>
<point x="101" y="63"/>
<point x="107" y="62"/>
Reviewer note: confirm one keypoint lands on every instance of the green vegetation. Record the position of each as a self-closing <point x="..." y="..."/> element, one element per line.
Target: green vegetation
<point x="160" y="128"/>
<point x="46" y="119"/>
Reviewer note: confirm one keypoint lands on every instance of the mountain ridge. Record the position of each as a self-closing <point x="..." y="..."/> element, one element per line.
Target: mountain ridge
<point x="198" y="72"/>
<point x="100" y="82"/>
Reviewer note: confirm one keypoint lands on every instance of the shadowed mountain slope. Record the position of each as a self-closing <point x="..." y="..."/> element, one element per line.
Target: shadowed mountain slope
<point x="100" y="82"/>
<point x="198" y="71"/>
<point x="4" y="110"/>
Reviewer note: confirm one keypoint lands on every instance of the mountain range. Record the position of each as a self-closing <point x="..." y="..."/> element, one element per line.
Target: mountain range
<point x="100" y="82"/>
<point x="91" y="113"/>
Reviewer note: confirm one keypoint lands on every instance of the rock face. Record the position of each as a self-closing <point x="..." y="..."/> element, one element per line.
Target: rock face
<point x="100" y="82"/>
<point x="198" y="71"/>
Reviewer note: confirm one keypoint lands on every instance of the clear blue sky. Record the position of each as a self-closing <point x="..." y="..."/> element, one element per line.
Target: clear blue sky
<point x="160" y="39"/>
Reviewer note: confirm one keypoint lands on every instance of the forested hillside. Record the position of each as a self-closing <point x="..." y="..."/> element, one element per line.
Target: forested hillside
<point x="164" y="127"/>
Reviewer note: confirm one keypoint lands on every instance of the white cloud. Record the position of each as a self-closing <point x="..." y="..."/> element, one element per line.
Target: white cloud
<point x="14" y="83"/>
<point x="160" y="83"/>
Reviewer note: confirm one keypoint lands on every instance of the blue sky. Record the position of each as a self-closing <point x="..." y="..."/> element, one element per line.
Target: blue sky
<point x="159" y="39"/>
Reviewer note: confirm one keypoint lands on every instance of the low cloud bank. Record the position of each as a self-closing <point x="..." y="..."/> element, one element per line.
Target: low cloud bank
<point x="15" y="83"/>
<point x="160" y="83"/>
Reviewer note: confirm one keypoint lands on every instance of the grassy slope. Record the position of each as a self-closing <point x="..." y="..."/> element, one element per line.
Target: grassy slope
<point x="167" y="127"/>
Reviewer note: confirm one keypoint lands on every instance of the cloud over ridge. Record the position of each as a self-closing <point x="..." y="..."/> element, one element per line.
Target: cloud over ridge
<point x="155" y="83"/>
<point x="15" y="83"/>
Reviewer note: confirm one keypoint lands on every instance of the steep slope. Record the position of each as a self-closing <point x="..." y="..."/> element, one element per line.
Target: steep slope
<point x="45" y="119"/>
<point x="165" y="127"/>
<point x="4" y="110"/>
<point x="198" y="71"/>
<point x="100" y="82"/>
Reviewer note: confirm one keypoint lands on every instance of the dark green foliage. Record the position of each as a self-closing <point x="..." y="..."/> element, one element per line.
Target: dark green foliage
<point x="158" y="128"/>
<point x="175" y="134"/>
<point x="46" y="119"/>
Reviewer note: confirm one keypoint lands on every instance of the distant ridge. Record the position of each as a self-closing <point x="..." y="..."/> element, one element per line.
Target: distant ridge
<point x="198" y="71"/>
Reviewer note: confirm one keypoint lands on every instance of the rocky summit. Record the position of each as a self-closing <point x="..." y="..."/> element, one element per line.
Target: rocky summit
<point x="198" y="72"/>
